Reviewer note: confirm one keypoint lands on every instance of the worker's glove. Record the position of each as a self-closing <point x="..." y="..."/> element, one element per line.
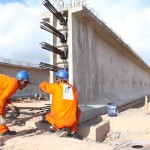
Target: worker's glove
<point x="15" y="110"/>
<point x="2" y="120"/>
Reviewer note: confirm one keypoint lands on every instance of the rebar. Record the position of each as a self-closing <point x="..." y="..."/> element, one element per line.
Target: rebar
<point x="46" y="26"/>
<point x="57" y="14"/>
<point x="62" y="53"/>
<point x="45" y="66"/>
<point x="51" y="48"/>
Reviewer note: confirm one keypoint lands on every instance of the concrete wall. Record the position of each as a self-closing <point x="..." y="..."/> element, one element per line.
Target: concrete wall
<point x="36" y="76"/>
<point x="102" y="67"/>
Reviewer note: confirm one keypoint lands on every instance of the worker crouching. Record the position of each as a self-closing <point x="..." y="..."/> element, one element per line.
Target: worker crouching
<point x="65" y="114"/>
<point x="8" y="87"/>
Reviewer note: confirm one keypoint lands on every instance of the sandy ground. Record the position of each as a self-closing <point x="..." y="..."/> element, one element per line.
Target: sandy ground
<point x="28" y="138"/>
<point x="130" y="125"/>
<point x="32" y="139"/>
<point x="45" y="141"/>
<point x="125" y="127"/>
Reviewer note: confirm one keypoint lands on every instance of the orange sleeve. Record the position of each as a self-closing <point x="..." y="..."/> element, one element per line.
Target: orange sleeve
<point x="7" y="93"/>
<point x="47" y="87"/>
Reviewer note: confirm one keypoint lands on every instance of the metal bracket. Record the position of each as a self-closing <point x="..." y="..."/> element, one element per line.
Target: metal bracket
<point x="65" y="54"/>
<point x="62" y="22"/>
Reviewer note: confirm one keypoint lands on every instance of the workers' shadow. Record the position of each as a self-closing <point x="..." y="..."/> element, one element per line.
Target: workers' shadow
<point x="20" y="133"/>
<point x="40" y="127"/>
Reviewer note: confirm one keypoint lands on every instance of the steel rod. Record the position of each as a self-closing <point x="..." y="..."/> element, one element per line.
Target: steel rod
<point x="52" y="9"/>
<point x="51" y="48"/>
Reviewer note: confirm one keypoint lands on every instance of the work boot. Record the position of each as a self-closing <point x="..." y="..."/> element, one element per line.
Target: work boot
<point x="43" y="117"/>
<point x="63" y="133"/>
<point x="8" y="133"/>
<point x="73" y="135"/>
<point x="43" y="120"/>
<point x="52" y="129"/>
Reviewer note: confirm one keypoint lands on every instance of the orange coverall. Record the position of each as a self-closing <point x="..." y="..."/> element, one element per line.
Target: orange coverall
<point x="8" y="87"/>
<point x="64" y="112"/>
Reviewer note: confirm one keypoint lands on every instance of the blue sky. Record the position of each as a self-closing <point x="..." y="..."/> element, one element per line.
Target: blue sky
<point x="20" y="32"/>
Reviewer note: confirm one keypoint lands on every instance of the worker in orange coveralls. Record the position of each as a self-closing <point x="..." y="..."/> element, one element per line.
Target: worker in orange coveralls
<point x="65" y="114"/>
<point x="8" y="87"/>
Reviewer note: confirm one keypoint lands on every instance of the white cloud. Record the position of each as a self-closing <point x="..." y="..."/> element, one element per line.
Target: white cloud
<point x="20" y="33"/>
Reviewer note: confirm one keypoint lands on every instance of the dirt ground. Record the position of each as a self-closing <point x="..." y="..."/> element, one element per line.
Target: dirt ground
<point x="124" y="128"/>
<point x="130" y="125"/>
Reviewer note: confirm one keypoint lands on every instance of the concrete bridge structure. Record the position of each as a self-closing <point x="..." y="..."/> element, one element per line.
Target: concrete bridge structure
<point x="101" y="66"/>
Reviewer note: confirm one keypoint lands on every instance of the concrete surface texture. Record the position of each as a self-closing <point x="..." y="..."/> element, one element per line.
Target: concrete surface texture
<point x="93" y="132"/>
<point x="104" y="70"/>
<point x="102" y="67"/>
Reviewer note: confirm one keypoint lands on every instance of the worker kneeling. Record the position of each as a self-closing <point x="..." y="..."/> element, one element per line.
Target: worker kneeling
<point x="8" y="87"/>
<point x="65" y="114"/>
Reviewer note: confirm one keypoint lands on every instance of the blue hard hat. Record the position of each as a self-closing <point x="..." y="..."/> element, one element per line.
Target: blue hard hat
<point x="62" y="74"/>
<point x="23" y="75"/>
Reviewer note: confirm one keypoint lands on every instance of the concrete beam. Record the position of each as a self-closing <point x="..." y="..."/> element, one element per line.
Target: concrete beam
<point x="96" y="132"/>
